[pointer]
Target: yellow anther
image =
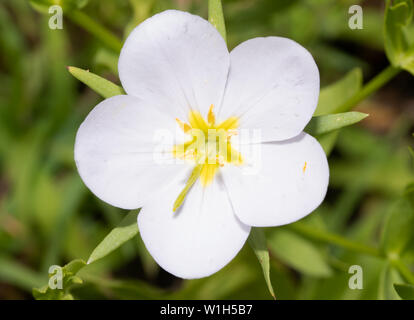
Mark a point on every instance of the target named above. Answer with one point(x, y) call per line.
point(209, 148)
point(184, 126)
point(304, 167)
point(211, 118)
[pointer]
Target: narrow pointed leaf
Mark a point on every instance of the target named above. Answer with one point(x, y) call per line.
point(328, 123)
point(216, 16)
point(74, 266)
point(257, 241)
point(405, 291)
point(98, 84)
point(332, 97)
point(126, 230)
point(299, 253)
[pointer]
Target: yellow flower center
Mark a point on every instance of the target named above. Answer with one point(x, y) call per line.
point(208, 148)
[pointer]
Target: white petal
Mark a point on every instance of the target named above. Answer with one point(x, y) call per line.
point(273, 85)
point(116, 155)
point(287, 181)
point(200, 238)
point(178, 57)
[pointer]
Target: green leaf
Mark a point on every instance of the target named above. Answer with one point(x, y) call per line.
point(69, 279)
point(331, 100)
point(257, 241)
point(74, 266)
point(126, 230)
point(398, 46)
point(327, 123)
point(335, 95)
point(100, 85)
point(387, 277)
point(216, 17)
point(405, 291)
point(299, 253)
point(398, 228)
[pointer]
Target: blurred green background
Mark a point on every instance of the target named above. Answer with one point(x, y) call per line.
point(47, 215)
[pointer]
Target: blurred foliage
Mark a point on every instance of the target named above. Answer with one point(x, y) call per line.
point(399, 44)
point(48, 217)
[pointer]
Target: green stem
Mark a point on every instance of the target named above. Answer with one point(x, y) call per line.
point(96, 29)
point(372, 86)
point(403, 270)
point(334, 239)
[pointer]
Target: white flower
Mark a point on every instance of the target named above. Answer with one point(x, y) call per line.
point(176, 66)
